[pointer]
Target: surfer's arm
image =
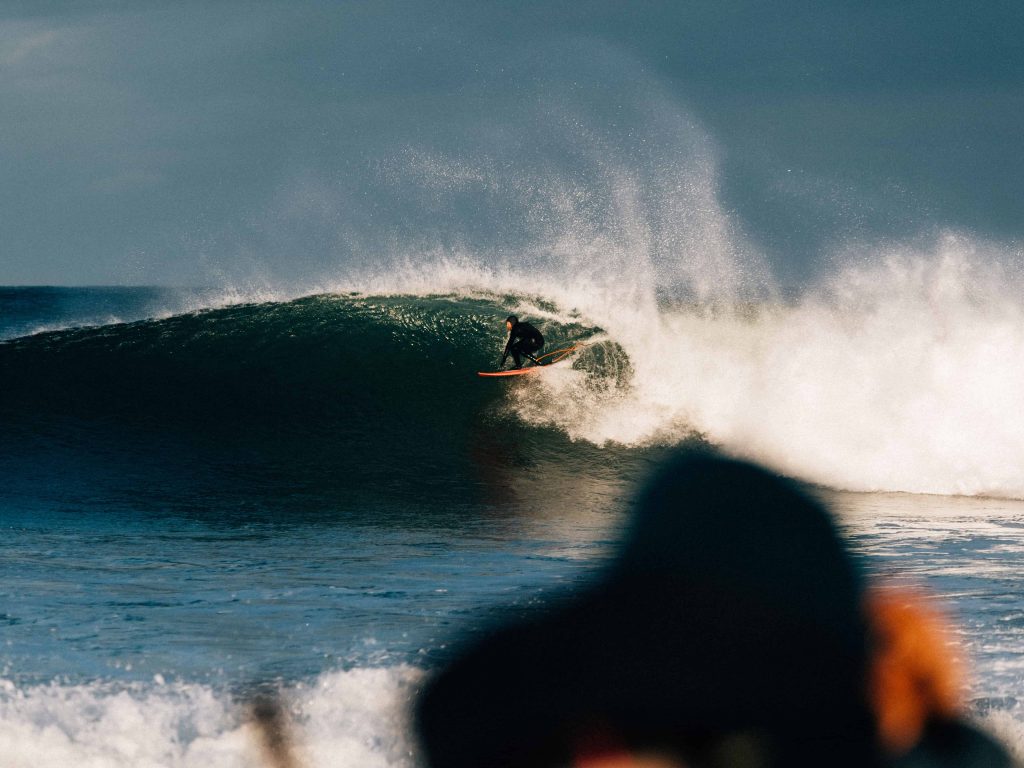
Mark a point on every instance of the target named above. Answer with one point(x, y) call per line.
point(508, 346)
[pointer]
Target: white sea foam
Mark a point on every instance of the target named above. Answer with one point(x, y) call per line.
point(1008, 729)
point(901, 376)
point(345, 718)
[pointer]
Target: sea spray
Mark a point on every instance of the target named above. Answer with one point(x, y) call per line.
point(899, 375)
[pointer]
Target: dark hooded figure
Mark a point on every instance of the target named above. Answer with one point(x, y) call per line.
point(523, 341)
point(729, 631)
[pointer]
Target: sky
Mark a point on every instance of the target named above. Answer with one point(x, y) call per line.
point(191, 143)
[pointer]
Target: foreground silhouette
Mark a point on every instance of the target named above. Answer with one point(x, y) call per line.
point(733, 628)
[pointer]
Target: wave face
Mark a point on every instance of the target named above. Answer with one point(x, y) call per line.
point(348, 399)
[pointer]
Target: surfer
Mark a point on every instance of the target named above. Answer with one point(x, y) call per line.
point(523, 340)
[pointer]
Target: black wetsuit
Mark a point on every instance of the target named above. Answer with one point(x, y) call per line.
point(523, 339)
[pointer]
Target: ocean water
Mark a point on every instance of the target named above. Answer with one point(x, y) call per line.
point(204, 496)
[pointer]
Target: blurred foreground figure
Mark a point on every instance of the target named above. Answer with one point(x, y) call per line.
point(732, 629)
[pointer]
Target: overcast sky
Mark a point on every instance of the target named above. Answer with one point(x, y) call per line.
point(187, 142)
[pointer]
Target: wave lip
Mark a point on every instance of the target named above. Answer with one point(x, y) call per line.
point(27, 311)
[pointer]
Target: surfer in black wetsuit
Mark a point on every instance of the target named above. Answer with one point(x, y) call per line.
point(523, 340)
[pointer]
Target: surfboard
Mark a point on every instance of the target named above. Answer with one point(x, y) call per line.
point(549, 358)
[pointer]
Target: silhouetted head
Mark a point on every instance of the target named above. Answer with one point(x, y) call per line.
point(511, 322)
point(730, 615)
